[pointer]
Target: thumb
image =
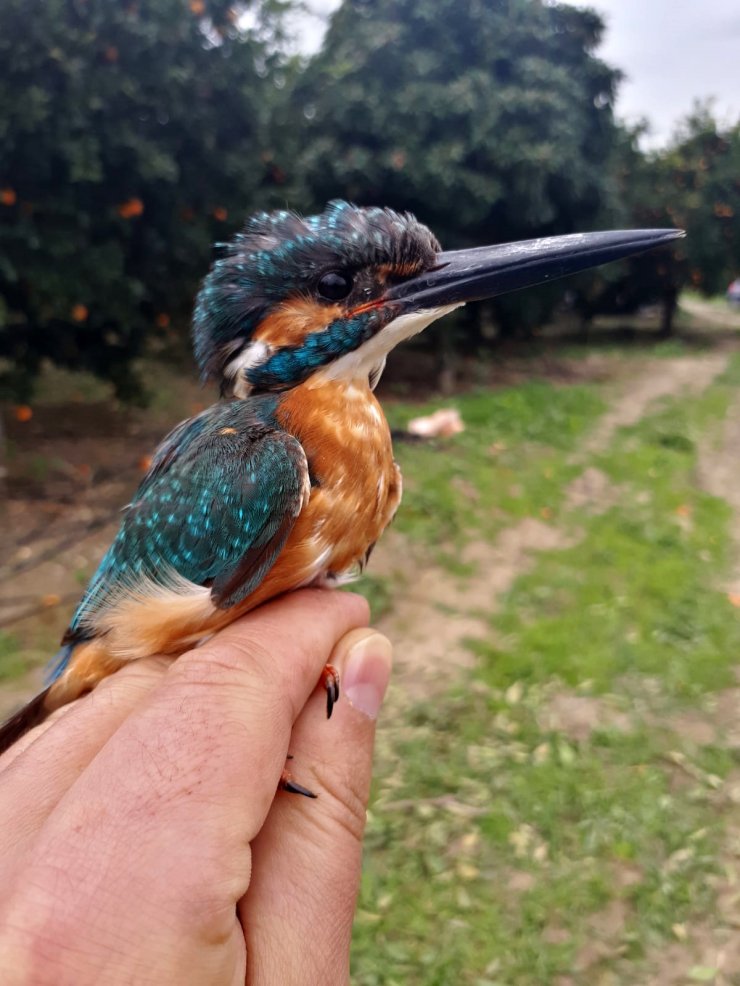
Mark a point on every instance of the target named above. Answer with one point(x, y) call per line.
point(298, 912)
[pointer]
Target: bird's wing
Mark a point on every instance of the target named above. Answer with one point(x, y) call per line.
point(215, 509)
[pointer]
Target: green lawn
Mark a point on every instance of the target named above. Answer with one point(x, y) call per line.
point(503, 850)
point(512, 461)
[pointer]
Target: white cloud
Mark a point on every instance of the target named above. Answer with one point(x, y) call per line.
point(672, 52)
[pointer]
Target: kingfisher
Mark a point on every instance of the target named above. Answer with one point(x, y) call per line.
point(289, 480)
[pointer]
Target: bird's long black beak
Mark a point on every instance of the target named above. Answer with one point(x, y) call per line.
point(484, 272)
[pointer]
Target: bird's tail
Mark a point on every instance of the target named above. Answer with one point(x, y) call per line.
point(40, 706)
point(30, 715)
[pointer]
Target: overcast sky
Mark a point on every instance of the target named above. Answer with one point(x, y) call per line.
point(672, 52)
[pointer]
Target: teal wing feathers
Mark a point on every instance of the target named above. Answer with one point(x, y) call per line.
point(215, 508)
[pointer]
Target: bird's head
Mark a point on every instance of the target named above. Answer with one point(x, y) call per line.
point(290, 297)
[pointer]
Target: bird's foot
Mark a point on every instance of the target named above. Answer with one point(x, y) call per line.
point(330, 681)
point(286, 783)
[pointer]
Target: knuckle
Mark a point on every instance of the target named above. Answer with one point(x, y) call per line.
point(239, 653)
point(361, 606)
point(246, 665)
point(347, 607)
point(343, 800)
point(135, 678)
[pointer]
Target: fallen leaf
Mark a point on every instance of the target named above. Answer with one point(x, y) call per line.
point(444, 422)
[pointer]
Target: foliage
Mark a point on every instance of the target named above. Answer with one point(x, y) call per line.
point(641, 199)
point(700, 178)
point(133, 136)
point(692, 184)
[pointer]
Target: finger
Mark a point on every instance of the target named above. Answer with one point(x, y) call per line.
point(165, 812)
point(38, 770)
point(297, 914)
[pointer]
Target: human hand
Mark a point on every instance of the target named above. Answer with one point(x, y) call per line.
point(143, 841)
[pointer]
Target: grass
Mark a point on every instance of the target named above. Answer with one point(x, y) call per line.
point(511, 462)
point(716, 300)
point(12, 661)
point(512, 887)
point(639, 590)
point(378, 592)
point(556, 856)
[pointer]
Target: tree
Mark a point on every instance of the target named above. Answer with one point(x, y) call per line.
point(692, 184)
point(699, 177)
point(133, 136)
point(641, 199)
point(491, 119)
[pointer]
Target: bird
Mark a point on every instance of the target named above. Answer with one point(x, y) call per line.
point(289, 479)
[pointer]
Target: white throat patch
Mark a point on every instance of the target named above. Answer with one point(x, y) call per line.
point(361, 362)
point(251, 355)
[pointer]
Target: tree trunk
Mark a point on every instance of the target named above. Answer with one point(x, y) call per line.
point(670, 303)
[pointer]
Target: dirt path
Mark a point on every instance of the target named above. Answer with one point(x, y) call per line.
point(660, 378)
point(704, 311)
point(435, 613)
point(719, 474)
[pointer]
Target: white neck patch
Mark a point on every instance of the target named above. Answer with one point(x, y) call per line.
point(360, 363)
point(251, 355)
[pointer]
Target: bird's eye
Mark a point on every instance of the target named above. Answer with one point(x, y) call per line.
point(334, 285)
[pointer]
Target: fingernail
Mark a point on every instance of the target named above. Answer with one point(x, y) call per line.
point(366, 674)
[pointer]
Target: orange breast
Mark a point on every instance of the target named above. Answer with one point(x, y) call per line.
point(356, 484)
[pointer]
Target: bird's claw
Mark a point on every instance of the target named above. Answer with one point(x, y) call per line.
point(330, 681)
point(286, 783)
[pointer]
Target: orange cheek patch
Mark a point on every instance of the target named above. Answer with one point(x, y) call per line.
point(294, 320)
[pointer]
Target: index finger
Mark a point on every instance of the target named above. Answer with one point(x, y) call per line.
point(165, 812)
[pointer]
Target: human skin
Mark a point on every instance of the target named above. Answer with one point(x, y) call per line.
point(143, 841)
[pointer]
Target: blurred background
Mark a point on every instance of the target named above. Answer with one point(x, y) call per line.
point(558, 771)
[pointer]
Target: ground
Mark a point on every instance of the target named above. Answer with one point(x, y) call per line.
point(558, 765)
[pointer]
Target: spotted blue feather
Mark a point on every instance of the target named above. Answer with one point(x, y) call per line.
point(215, 508)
